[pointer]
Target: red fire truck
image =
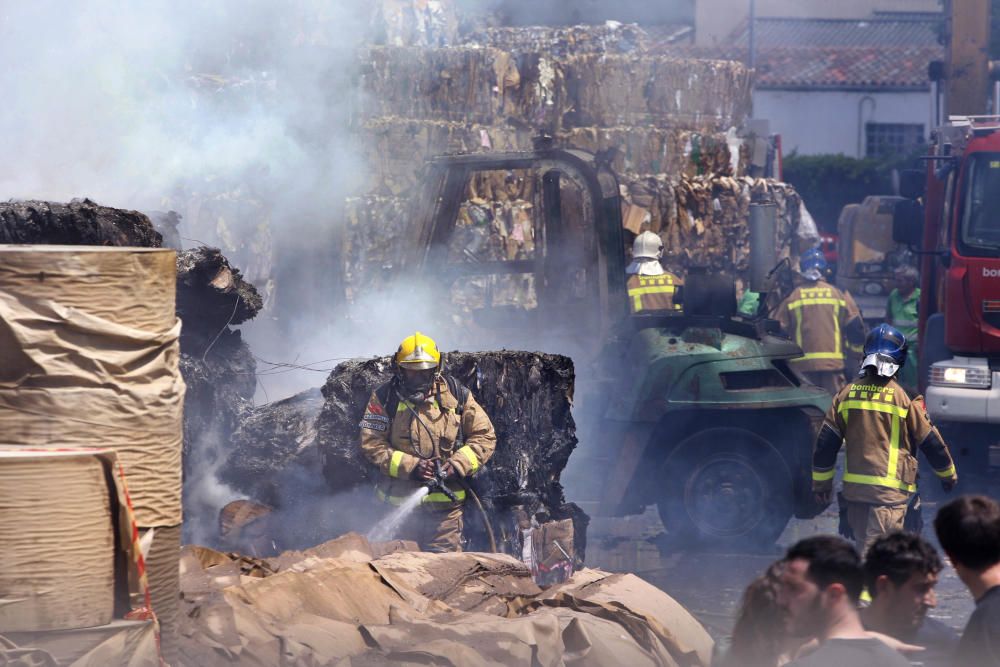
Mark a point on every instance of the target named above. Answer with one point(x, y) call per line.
point(957, 232)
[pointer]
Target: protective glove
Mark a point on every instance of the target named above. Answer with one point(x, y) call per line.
point(823, 498)
point(424, 470)
point(448, 471)
point(949, 484)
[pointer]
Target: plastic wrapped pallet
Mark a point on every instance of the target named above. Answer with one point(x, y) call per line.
point(89, 354)
point(58, 539)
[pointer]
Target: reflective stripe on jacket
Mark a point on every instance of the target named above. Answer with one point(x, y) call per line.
point(816, 315)
point(882, 429)
point(653, 292)
point(396, 447)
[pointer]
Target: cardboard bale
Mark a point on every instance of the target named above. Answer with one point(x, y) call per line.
point(80, 222)
point(59, 541)
point(472, 85)
point(703, 220)
point(414, 22)
point(615, 90)
point(395, 149)
point(563, 41)
point(272, 438)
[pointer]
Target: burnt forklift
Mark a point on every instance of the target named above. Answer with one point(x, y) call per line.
point(698, 413)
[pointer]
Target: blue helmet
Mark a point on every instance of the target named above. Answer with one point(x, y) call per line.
point(885, 350)
point(812, 259)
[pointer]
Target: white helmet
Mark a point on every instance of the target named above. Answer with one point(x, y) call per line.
point(647, 246)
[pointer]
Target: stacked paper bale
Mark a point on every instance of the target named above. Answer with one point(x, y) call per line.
point(89, 356)
point(590, 87)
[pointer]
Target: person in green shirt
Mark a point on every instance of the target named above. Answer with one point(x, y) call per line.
point(901, 312)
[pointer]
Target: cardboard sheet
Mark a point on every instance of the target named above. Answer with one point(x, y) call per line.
point(117, 644)
point(419, 609)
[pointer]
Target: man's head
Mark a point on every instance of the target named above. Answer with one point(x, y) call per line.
point(821, 580)
point(906, 279)
point(969, 531)
point(901, 570)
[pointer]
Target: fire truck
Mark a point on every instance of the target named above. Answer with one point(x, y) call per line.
point(952, 216)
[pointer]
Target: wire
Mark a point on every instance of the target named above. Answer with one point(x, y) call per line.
point(224, 327)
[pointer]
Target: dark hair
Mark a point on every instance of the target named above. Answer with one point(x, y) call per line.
point(899, 556)
point(969, 531)
point(832, 560)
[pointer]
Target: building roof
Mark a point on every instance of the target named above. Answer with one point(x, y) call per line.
point(883, 30)
point(886, 51)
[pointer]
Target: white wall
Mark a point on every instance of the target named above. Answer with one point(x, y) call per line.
point(813, 122)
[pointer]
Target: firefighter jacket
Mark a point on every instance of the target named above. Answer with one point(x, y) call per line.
point(819, 317)
point(647, 293)
point(883, 429)
point(395, 444)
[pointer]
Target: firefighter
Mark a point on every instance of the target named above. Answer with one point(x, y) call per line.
point(650, 286)
point(883, 429)
point(823, 321)
point(424, 428)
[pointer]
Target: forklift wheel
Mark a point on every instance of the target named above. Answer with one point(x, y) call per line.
point(726, 486)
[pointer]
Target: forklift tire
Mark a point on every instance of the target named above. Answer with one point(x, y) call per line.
point(725, 487)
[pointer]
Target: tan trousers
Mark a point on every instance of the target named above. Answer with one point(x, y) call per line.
point(434, 530)
point(870, 522)
point(831, 381)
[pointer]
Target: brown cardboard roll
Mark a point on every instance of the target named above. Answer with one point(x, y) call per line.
point(163, 571)
point(58, 541)
point(89, 354)
point(133, 287)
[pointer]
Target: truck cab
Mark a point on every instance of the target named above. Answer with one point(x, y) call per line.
point(957, 230)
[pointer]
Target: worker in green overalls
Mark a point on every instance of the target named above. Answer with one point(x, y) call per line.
point(901, 312)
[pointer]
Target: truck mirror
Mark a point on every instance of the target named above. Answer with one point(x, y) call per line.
point(912, 183)
point(908, 222)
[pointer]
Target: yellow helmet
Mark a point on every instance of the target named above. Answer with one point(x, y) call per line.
point(418, 352)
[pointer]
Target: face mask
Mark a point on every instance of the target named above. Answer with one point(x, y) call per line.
point(417, 385)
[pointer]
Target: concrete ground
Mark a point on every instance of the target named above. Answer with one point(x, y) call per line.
point(710, 583)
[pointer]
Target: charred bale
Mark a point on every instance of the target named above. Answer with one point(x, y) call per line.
point(80, 222)
point(273, 438)
point(211, 293)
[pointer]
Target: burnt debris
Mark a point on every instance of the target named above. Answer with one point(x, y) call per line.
point(80, 222)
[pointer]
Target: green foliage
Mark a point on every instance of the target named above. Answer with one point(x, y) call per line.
point(827, 183)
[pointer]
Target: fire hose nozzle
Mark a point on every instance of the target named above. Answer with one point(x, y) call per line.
point(437, 484)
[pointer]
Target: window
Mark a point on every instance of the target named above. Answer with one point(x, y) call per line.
point(980, 231)
point(889, 139)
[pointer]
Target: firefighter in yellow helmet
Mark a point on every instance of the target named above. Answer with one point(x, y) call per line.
point(650, 286)
point(424, 429)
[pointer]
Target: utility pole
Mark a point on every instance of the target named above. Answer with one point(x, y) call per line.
point(968, 35)
point(752, 42)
